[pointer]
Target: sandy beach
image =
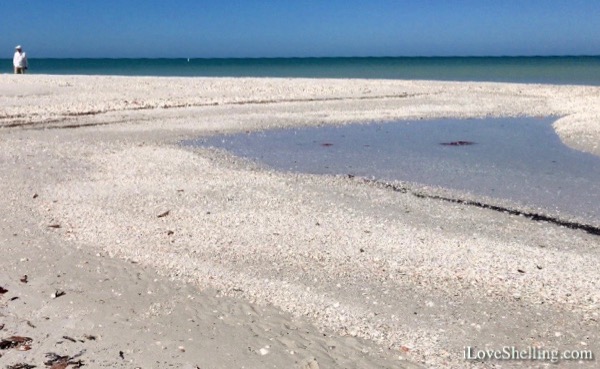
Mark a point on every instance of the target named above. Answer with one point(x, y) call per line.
point(140, 253)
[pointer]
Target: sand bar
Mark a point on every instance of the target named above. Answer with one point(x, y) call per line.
point(91, 171)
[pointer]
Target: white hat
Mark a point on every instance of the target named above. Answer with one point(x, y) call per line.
point(18, 47)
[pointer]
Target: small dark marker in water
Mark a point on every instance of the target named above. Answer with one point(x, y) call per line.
point(326, 144)
point(457, 143)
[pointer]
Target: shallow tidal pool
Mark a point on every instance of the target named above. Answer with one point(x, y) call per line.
point(518, 159)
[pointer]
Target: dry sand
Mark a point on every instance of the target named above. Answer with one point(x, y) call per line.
point(171, 257)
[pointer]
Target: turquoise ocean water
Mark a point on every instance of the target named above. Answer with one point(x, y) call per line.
point(580, 70)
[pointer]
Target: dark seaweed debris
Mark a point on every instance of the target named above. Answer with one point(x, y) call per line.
point(21, 343)
point(457, 143)
point(20, 366)
point(533, 216)
point(56, 361)
point(58, 294)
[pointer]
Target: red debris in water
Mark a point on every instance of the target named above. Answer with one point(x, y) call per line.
point(326, 144)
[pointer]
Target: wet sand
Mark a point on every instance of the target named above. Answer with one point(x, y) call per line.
point(189, 258)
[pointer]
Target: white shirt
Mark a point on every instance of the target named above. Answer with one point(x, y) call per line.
point(20, 59)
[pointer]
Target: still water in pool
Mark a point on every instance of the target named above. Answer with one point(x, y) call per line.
point(519, 159)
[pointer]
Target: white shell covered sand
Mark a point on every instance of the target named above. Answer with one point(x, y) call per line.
point(357, 275)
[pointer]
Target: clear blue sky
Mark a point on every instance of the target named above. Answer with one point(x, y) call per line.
point(286, 28)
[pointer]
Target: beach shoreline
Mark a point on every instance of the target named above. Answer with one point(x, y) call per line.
point(93, 168)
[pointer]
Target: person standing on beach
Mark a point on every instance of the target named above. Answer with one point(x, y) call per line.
point(20, 60)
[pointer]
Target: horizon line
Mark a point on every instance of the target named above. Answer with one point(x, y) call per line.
point(327, 57)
